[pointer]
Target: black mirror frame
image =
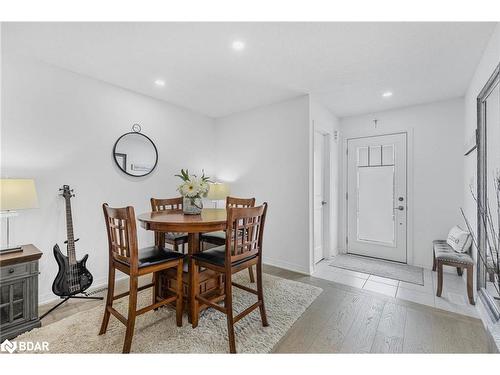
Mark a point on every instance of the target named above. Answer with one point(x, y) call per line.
point(119, 166)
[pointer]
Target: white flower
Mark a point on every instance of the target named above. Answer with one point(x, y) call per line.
point(189, 189)
point(193, 186)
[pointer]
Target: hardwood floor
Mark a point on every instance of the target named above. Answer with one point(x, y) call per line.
point(344, 319)
point(350, 320)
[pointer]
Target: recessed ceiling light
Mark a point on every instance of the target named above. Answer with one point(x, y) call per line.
point(160, 82)
point(238, 45)
point(387, 94)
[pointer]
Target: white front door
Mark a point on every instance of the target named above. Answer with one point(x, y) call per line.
point(319, 200)
point(376, 197)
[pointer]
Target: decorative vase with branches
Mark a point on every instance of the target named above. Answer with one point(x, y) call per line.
point(489, 254)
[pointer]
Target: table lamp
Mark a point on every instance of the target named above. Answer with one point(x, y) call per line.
point(218, 191)
point(16, 194)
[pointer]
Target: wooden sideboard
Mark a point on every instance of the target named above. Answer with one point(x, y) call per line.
point(19, 292)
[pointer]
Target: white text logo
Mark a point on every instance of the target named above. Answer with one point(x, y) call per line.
point(24, 346)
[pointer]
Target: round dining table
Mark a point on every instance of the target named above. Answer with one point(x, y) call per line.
point(210, 220)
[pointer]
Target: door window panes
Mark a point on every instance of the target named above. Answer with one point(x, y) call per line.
point(376, 204)
point(375, 156)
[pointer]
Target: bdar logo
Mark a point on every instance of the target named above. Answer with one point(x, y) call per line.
point(24, 346)
point(8, 346)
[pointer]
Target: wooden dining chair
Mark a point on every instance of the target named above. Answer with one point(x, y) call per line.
point(219, 238)
point(125, 256)
point(173, 239)
point(243, 249)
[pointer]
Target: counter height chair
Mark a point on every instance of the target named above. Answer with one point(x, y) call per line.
point(125, 256)
point(243, 249)
point(173, 239)
point(219, 238)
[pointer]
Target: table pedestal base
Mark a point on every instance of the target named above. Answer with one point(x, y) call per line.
point(211, 284)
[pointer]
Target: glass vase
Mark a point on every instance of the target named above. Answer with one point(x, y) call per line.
point(192, 206)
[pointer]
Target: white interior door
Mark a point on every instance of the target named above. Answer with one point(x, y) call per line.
point(377, 197)
point(319, 193)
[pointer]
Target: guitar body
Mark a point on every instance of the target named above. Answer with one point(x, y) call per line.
point(70, 280)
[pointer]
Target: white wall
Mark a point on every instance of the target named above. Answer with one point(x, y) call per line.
point(436, 142)
point(59, 128)
point(264, 153)
point(327, 123)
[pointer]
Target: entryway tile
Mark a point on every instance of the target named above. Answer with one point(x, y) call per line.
point(360, 275)
point(389, 290)
point(339, 277)
point(451, 282)
point(426, 288)
point(445, 304)
point(414, 296)
point(383, 280)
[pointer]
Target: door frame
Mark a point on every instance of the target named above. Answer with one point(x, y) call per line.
point(409, 186)
point(327, 194)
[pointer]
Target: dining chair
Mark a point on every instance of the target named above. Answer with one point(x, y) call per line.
point(125, 256)
point(219, 238)
point(174, 239)
point(243, 249)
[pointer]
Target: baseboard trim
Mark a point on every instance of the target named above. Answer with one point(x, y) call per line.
point(286, 265)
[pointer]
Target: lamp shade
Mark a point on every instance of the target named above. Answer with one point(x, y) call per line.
point(218, 191)
point(17, 194)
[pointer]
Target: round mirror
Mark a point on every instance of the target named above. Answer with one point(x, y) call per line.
point(135, 154)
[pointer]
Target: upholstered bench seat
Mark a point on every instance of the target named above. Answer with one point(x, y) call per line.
point(445, 252)
point(444, 255)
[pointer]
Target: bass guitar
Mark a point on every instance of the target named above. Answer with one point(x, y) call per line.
point(73, 276)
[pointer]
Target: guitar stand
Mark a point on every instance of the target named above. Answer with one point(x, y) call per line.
point(65, 299)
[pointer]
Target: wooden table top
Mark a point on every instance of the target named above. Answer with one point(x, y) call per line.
point(210, 219)
point(29, 253)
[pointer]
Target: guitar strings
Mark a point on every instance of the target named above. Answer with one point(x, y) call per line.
point(73, 267)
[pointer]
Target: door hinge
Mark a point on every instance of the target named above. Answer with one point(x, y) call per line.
point(346, 196)
point(346, 240)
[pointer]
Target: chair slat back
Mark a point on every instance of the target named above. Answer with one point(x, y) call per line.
point(122, 234)
point(166, 204)
point(245, 227)
point(240, 202)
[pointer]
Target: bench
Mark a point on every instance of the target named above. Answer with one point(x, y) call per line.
point(444, 255)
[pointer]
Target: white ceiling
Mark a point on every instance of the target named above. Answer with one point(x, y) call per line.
point(346, 66)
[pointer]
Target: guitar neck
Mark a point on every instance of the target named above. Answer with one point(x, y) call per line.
point(69, 231)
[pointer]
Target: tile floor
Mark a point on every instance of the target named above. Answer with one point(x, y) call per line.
point(454, 296)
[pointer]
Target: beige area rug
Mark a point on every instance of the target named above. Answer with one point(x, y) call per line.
point(156, 332)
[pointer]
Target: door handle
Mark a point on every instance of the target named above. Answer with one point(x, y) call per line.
point(323, 203)
point(400, 208)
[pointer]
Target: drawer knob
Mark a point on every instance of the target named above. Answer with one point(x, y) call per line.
point(11, 270)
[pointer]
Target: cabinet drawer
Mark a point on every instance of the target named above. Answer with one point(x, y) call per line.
point(15, 270)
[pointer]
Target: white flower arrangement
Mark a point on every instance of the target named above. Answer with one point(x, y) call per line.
point(193, 186)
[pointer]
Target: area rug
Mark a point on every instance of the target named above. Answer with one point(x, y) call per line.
point(383, 268)
point(156, 331)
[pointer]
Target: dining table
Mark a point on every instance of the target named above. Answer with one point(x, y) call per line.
point(175, 221)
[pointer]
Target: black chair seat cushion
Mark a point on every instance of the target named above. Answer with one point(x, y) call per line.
point(217, 256)
point(153, 255)
point(215, 238)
